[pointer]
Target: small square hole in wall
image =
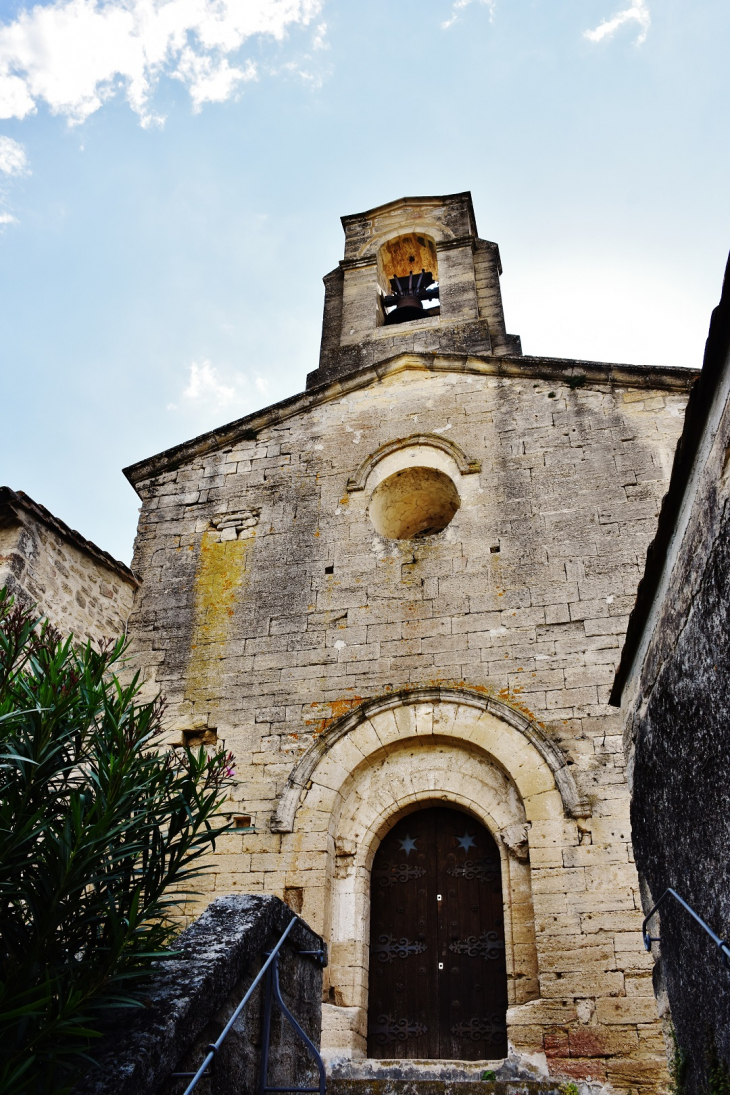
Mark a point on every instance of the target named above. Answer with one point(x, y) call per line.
point(201, 735)
point(294, 898)
point(495, 549)
point(329, 570)
point(243, 822)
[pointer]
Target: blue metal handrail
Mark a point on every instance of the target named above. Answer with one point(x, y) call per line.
point(649, 939)
point(270, 969)
point(273, 992)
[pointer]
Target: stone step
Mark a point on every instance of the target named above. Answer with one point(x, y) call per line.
point(513, 1076)
point(384, 1085)
point(507, 1076)
point(415, 1069)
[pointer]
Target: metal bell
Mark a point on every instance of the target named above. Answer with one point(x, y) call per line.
point(408, 297)
point(409, 307)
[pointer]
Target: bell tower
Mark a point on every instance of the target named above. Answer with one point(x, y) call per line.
point(415, 278)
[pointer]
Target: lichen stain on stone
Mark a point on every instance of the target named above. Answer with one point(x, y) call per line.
point(218, 582)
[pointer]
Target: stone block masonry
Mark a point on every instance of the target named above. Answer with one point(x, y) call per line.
point(81, 588)
point(409, 586)
point(673, 686)
point(269, 638)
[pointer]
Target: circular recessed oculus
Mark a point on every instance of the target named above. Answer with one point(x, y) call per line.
point(413, 503)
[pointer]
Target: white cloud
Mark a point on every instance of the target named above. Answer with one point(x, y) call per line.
point(309, 68)
point(210, 81)
point(574, 312)
point(319, 39)
point(207, 391)
point(638, 13)
point(13, 160)
point(459, 6)
point(73, 55)
point(7, 218)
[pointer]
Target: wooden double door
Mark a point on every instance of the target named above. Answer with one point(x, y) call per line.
point(438, 981)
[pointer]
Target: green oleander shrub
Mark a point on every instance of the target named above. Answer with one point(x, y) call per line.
point(718, 1073)
point(101, 836)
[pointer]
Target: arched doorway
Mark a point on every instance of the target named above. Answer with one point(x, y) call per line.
point(438, 981)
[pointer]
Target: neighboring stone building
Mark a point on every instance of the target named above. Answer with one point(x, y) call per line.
point(674, 687)
point(406, 590)
point(79, 587)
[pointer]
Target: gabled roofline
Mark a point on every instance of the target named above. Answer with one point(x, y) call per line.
point(545, 368)
point(19, 500)
point(435, 198)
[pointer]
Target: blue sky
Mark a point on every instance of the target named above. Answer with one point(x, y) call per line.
point(172, 176)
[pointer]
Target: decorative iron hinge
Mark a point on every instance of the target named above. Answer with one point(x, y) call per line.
point(399, 872)
point(488, 946)
point(388, 948)
point(493, 1028)
point(484, 870)
point(387, 1029)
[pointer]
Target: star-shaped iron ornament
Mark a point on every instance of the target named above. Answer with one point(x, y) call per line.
point(408, 845)
point(466, 841)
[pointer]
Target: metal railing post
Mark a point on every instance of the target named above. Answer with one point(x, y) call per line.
point(266, 1024)
point(263, 1087)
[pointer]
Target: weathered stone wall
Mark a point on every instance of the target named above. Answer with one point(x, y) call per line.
point(270, 608)
point(77, 586)
point(190, 997)
point(677, 709)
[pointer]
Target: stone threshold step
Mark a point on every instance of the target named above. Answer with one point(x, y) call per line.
point(414, 1068)
point(384, 1085)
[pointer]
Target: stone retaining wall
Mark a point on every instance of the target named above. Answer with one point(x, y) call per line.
point(191, 996)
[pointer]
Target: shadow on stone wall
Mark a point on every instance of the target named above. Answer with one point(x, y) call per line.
point(678, 726)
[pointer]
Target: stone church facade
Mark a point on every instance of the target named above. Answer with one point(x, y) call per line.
point(405, 589)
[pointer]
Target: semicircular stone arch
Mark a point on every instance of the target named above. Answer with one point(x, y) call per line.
point(534, 763)
point(413, 449)
point(425, 226)
point(394, 781)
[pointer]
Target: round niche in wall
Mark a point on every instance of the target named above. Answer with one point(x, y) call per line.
point(413, 503)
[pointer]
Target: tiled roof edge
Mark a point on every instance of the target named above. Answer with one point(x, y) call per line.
point(20, 500)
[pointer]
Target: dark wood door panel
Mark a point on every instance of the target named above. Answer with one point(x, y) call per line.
point(437, 972)
point(403, 977)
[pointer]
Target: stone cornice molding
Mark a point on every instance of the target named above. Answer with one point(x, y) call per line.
point(423, 202)
point(560, 370)
point(290, 798)
point(463, 463)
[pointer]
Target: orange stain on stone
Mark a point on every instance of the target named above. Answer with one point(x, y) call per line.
point(338, 708)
